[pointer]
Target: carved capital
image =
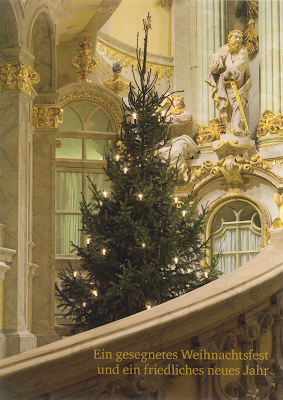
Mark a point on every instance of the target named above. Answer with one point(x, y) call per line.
point(16, 75)
point(47, 116)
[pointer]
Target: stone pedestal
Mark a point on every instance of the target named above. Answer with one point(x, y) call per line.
point(230, 144)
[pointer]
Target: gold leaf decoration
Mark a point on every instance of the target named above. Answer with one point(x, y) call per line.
point(270, 123)
point(209, 133)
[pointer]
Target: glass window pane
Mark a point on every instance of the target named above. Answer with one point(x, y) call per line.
point(71, 148)
point(97, 149)
point(67, 231)
point(99, 122)
point(70, 120)
point(101, 182)
point(238, 236)
point(68, 191)
point(84, 109)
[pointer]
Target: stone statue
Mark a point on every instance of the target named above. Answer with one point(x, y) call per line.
point(179, 149)
point(230, 78)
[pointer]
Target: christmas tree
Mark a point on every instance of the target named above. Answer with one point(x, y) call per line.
point(144, 245)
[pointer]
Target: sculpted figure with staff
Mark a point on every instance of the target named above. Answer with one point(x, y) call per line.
point(230, 78)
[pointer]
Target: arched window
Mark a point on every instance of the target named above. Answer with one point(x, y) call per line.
point(236, 232)
point(85, 138)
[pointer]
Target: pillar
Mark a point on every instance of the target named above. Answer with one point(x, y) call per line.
point(46, 119)
point(271, 55)
point(211, 33)
point(16, 98)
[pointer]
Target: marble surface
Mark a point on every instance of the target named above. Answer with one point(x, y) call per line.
point(59, 366)
point(15, 138)
point(43, 286)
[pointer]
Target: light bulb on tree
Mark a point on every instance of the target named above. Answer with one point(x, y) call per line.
point(84, 304)
point(75, 274)
point(136, 166)
point(104, 193)
point(95, 293)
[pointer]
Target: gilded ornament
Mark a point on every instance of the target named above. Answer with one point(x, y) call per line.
point(232, 169)
point(17, 75)
point(270, 123)
point(129, 61)
point(175, 103)
point(204, 169)
point(209, 133)
point(58, 144)
point(147, 23)
point(278, 222)
point(250, 36)
point(84, 63)
point(47, 116)
point(86, 95)
point(116, 84)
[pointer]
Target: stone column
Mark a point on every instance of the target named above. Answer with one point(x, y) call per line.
point(46, 119)
point(198, 29)
point(211, 33)
point(16, 99)
point(271, 55)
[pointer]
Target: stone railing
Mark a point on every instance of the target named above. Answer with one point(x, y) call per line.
point(222, 341)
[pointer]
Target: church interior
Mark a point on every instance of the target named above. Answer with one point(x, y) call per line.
point(65, 66)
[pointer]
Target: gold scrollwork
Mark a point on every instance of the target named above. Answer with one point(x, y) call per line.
point(204, 169)
point(129, 61)
point(270, 123)
point(209, 133)
point(47, 116)
point(86, 95)
point(232, 169)
point(17, 75)
point(233, 172)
